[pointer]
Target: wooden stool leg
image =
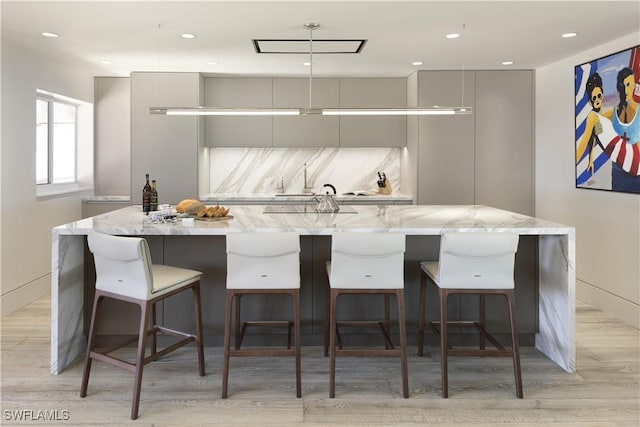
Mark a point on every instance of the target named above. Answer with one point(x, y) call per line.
point(97, 300)
point(327, 304)
point(483, 317)
point(296, 319)
point(387, 321)
point(238, 328)
point(332, 343)
point(515, 347)
point(421, 313)
point(227, 342)
point(154, 336)
point(444, 354)
point(403, 343)
point(197, 308)
point(142, 341)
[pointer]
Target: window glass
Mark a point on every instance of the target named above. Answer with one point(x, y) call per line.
point(42, 142)
point(55, 142)
point(64, 143)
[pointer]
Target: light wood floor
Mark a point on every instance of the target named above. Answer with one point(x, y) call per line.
point(605, 391)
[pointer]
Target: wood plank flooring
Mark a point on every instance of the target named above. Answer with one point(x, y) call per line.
point(605, 390)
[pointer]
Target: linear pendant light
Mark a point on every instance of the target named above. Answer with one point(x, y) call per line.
point(409, 111)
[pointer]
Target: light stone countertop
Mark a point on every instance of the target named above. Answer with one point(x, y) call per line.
point(408, 219)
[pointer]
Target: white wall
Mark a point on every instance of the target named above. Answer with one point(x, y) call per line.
point(25, 221)
point(607, 223)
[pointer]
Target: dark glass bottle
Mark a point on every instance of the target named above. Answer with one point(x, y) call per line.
point(146, 196)
point(154, 196)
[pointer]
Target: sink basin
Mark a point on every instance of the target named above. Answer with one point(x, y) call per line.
point(294, 194)
point(304, 209)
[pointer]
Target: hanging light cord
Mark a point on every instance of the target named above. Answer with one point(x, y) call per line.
point(311, 27)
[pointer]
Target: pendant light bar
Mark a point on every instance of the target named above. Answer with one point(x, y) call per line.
point(311, 26)
point(205, 111)
point(416, 111)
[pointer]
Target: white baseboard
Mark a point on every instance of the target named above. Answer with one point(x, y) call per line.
point(611, 304)
point(22, 296)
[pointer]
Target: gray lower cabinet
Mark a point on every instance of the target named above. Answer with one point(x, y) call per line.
point(207, 254)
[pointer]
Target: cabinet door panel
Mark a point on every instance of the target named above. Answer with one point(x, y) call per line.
point(504, 140)
point(238, 131)
point(445, 143)
point(166, 147)
point(305, 131)
point(373, 131)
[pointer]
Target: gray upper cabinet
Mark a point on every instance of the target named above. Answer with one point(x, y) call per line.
point(373, 131)
point(504, 140)
point(311, 130)
point(238, 131)
point(166, 147)
point(446, 162)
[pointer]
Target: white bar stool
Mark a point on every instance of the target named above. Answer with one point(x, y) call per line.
point(479, 263)
point(124, 272)
point(261, 264)
point(367, 264)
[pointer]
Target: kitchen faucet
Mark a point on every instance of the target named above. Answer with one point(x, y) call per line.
point(307, 187)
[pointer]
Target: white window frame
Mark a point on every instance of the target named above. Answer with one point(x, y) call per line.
point(83, 149)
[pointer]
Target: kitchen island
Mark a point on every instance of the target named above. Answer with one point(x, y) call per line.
point(549, 287)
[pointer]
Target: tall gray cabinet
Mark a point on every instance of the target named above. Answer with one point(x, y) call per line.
point(484, 158)
point(166, 147)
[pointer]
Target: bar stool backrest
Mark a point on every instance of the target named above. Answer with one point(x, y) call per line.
point(367, 260)
point(123, 265)
point(263, 260)
point(477, 260)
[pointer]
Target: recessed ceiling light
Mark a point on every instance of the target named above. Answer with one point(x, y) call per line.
point(49, 34)
point(188, 36)
point(452, 36)
point(306, 64)
point(569, 35)
point(507, 63)
point(213, 63)
point(417, 63)
point(105, 61)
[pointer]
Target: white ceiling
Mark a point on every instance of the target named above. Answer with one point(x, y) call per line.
point(145, 35)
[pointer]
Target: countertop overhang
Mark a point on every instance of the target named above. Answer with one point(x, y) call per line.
point(408, 219)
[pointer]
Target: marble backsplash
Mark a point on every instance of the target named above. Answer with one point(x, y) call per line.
point(258, 170)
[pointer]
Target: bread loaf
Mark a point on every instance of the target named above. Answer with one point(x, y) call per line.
point(189, 206)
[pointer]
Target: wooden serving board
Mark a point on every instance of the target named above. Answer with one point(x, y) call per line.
point(213, 219)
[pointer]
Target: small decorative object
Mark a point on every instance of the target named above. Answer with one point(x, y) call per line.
point(384, 186)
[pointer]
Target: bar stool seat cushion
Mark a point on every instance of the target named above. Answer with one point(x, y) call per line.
point(165, 277)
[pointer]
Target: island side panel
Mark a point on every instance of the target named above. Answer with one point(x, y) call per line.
point(557, 307)
point(67, 300)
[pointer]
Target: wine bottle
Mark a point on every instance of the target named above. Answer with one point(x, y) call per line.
point(146, 196)
point(154, 196)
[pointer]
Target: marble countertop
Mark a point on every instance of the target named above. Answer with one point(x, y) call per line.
point(99, 199)
point(409, 219)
